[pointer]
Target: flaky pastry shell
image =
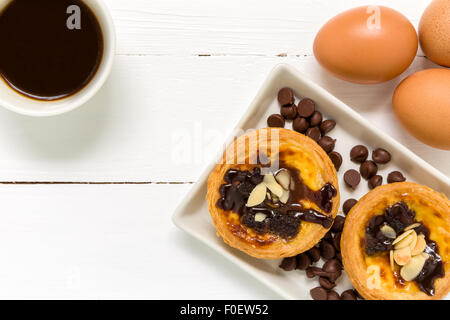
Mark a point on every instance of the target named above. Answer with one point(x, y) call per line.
point(298, 151)
point(431, 208)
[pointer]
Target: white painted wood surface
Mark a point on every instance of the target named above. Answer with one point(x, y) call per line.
point(183, 69)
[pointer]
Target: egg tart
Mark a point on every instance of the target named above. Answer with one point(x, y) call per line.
point(396, 243)
point(275, 193)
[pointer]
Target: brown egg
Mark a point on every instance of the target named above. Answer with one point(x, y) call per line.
point(434, 32)
point(369, 44)
point(422, 104)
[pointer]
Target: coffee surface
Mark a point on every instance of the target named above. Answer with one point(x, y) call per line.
point(49, 52)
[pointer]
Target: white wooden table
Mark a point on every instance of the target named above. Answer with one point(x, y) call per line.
point(183, 69)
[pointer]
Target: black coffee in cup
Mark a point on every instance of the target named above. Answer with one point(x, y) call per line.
point(50, 49)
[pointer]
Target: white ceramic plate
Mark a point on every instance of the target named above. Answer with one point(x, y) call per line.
point(192, 214)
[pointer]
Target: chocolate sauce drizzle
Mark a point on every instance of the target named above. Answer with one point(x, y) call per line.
point(399, 216)
point(281, 219)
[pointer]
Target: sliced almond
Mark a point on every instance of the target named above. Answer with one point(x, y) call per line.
point(425, 255)
point(260, 217)
point(412, 226)
point(420, 245)
point(283, 177)
point(388, 232)
point(269, 195)
point(285, 196)
point(257, 196)
point(408, 241)
point(402, 256)
point(391, 260)
point(402, 236)
point(272, 185)
point(410, 271)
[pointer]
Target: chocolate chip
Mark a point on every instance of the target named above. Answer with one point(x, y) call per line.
point(352, 178)
point(333, 276)
point(275, 121)
point(289, 112)
point(311, 272)
point(327, 250)
point(314, 254)
point(316, 119)
point(395, 176)
point(381, 156)
point(288, 264)
point(368, 169)
point(338, 224)
point(326, 283)
point(313, 133)
point(327, 143)
point(348, 205)
point(286, 96)
point(303, 261)
point(300, 125)
point(359, 153)
point(328, 235)
point(337, 241)
point(348, 295)
point(336, 158)
point(306, 108)
point(332, 266)
point(375, 181)
point(333, 295)
point(319, 293)
point(327, 126)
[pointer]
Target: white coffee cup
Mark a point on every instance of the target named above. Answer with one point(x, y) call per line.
point(14, 101)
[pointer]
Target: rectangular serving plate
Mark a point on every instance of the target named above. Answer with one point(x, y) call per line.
point(192, 214)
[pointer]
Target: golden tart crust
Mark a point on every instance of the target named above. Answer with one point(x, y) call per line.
point(297, 151)
point(431, 208)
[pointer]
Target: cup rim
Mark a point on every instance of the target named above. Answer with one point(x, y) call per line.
point(78, 99)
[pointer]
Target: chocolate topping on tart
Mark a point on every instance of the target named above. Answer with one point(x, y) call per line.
point(271, 203)
point(406, 242)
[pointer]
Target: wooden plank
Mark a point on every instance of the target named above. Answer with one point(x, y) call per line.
point(232, 27)
point(107, 241)
point(133, 129)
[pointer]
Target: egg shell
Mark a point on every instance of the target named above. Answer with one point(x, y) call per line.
point(422, 105)
point(434, 32)
point(368, 44)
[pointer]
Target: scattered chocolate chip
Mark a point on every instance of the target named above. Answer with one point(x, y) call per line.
point(300, 125)
point(375, 181)
point(327, 250)
point(319, 293)
point(338, 224)
point(395, 176)
point(352, 178)
point(333, 276)
point(313, 133)
point(332, 266)
point(333, 295)
point(359, 153)
point(348, 295)
point(326, 283)
point(311, 272)
point(381, 156)
point(303, 261)
point(289, 112)
point(327, 126)
point(327, 143)
point(337, 241)
point(288, 264)
point(286, 96)
point(314, 254)
point(275, 121)
point(316, 119)
point(368, 169)
point(306, 108)
point(348, 205)
point(336, 158)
